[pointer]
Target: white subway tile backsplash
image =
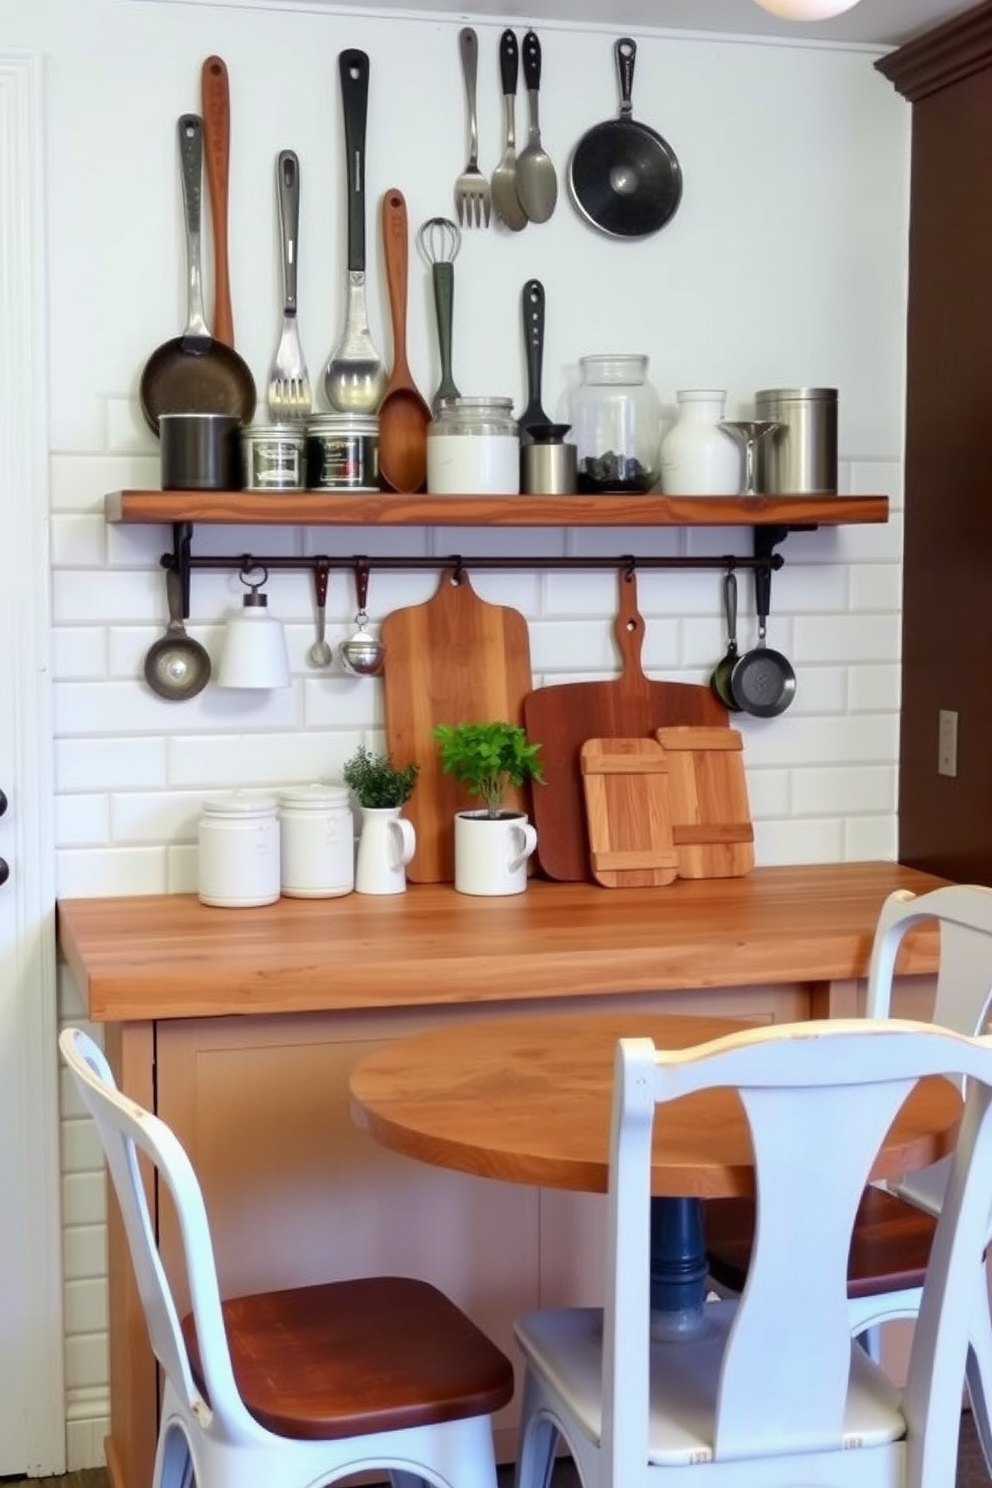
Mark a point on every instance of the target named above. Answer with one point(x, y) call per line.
point(109, 764)
point(115, 596)
point(867, 837)
point(779, 843)
point(81, 1149)
point(83, 1198)
point(843, 789)
point(85, 1360)
point(875, 689)
point(80, 482)
point(97, 872)
point(79, 652)
point(818, 741)
point(82, 821)
point(846, 639)
point(85, 1306)
point(292, 758)
point(154, 817)
point(84, 1251)
point(78, 540)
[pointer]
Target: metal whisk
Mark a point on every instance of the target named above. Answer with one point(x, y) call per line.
point(439, 241)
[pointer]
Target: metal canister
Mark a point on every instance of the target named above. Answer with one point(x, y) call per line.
point(343, 452)
point(272, 457)
point(800, 457)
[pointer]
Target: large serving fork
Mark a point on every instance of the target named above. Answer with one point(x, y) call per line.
point(472, 199)
point(289, 392)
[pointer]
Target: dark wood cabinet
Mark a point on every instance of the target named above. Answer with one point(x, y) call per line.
point(945, 823)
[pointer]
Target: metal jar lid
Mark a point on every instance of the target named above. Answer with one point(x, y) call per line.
point(796, 395)
point(272, 431)
point(344, 423)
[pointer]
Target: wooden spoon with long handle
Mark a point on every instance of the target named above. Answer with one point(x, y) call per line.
point(403, 413)
point(216, 107)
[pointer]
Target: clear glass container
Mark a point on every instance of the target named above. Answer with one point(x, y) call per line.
point(616, 417)
point(473, 448)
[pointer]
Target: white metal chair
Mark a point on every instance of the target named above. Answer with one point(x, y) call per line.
point(895, 1224)
point(297, 1387)
point(773, 1391)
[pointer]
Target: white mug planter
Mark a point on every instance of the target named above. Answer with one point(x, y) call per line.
point(491, 852)
point(387, 843)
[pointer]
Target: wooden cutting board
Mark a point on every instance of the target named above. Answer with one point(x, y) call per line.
point(628, 813)
point(454, 659)
point(707, 793)
point(562, 717)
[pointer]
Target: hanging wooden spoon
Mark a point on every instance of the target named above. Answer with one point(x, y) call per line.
point(403, 413)
point(216, 109)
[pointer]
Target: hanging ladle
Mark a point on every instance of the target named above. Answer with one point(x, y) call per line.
point(176, 666)
point(320, 652)
point(363, 655)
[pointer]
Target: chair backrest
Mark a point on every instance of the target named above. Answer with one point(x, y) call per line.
point(125, 1128)
point(819, 1098)
point(963, 913)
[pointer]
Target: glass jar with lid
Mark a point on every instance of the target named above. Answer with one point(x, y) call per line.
point(616, 419)
point(473, 448)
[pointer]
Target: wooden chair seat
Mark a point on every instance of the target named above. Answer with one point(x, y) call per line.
point(890, 1244)
point(349, 1358)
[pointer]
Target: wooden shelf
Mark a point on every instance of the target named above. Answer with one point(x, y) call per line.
point(327, 509)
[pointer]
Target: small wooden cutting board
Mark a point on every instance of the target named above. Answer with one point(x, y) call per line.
point(707, 793)
point(628, 813)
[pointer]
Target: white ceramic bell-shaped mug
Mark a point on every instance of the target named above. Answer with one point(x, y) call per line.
point(387, 843)
point(491, 852)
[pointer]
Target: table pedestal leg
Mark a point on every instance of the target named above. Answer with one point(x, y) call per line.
point(678, 1268)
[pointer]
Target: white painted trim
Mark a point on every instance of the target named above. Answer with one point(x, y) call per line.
point(28, 968)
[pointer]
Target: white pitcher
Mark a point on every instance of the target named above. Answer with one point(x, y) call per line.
point(387, 843)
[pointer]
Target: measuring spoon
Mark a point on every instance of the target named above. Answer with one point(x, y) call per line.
point(320, 652)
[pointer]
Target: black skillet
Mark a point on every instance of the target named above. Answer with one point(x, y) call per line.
point(624, 178)
point(763, 681)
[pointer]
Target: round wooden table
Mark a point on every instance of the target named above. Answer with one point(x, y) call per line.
point(528, 1100)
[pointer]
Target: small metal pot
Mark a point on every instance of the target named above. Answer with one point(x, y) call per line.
point(200, 451)
point(763, 681)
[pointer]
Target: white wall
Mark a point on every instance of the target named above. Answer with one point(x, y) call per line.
point(786, 264)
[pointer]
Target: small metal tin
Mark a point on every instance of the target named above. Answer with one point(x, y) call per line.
point(272, 457)
point(800, 456)
point(343, 452)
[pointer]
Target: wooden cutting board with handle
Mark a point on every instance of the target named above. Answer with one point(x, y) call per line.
point(561, 718)
point(628, 813)
point(454, 659)
point(707, 793)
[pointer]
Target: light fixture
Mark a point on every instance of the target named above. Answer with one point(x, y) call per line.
point(806, 10)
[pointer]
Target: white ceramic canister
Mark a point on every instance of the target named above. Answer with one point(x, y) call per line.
point(239, 851)
point(473, 448)
point(698, 458)
point(317, 842)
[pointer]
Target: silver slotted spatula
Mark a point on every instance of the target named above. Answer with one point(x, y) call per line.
point(289, 394)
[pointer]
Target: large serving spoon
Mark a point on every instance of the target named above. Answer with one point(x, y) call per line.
point(537, 183)
point(176, 666)
point(503, 182)
point(354, 377)
point(403, 413)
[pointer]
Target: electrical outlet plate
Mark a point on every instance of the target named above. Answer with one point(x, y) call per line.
point(947, 743)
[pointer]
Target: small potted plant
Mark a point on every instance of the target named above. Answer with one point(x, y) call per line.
point(387, 841)
point(492, 845)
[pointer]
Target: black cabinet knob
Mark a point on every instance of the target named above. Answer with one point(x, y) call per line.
point(4, 871)
point(3, 802)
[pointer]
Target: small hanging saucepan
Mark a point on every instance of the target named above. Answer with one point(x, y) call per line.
point(763, 681)
point(623, 177)
point(724, 669)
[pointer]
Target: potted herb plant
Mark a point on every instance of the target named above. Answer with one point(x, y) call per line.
point(387, 841)
point(492, 844)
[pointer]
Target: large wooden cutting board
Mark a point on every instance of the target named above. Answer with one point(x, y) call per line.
point(562, 717)
point(628, 813)
point(454, 659)
point(707, 793)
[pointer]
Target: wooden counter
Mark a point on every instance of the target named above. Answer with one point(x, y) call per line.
point(168, 956)
point(241, 1028)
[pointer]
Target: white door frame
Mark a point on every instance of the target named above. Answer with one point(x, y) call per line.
point(32, 1390)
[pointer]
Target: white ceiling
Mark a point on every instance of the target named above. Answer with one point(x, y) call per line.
point(885, 23)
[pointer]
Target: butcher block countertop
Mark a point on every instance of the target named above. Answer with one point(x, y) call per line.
point(168, 956)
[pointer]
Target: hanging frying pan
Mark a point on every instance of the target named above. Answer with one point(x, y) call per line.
point(624, 178)
point(763, 681)
point(194, 372)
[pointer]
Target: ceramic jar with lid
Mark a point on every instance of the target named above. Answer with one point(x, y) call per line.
point(698, 458)
point(239, 851)
point(616, 424)
point(317, 842)
point(473, 448)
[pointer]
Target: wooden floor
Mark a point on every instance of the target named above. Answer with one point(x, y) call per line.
point(971, 1472)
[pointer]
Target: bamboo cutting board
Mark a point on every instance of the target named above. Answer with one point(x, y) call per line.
point(454, 659)
point(562, 717)
point(711, 818)
point(628, 813)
